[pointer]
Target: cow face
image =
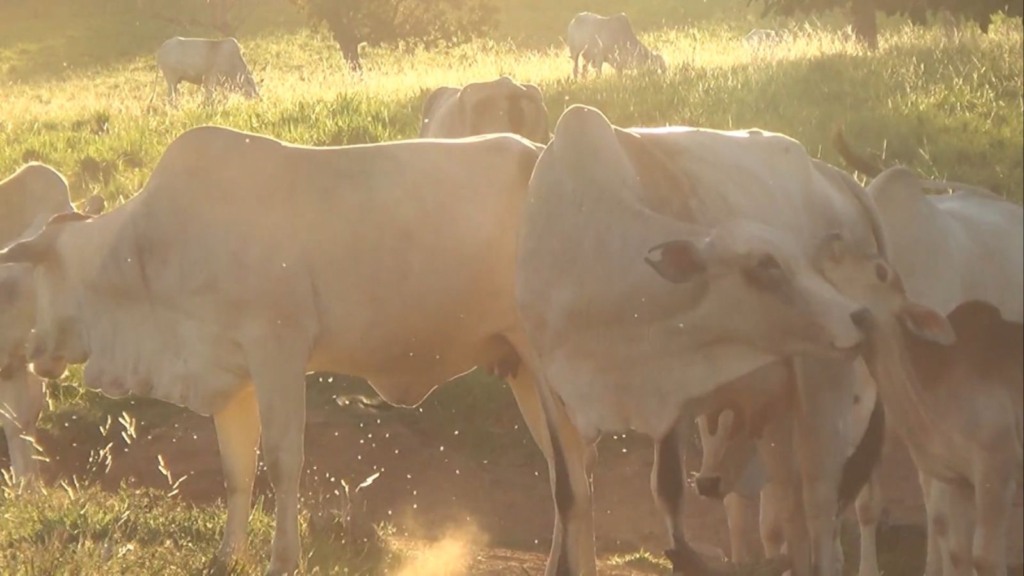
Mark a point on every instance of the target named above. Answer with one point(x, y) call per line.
point(869, 279)
point(761, 292)
point(727, 451)
point(57, 338)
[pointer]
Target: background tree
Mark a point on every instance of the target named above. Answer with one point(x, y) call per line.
point(428, 22)
point(863, 12)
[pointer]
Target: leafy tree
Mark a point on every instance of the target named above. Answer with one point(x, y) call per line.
point(430, 22)
point(863, 12)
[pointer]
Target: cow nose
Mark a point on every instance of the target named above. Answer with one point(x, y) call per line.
point(709, 486)
point(863, 318)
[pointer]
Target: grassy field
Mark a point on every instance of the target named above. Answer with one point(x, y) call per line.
point(79, 90)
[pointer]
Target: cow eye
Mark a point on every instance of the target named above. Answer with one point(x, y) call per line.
point(882, 272)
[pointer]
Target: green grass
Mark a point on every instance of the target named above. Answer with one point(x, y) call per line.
point(79, 529)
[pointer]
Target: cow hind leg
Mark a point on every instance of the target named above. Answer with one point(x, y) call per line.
point(238, 435)
point(281, 393)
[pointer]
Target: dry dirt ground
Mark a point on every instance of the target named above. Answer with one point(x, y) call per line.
point(483, 503)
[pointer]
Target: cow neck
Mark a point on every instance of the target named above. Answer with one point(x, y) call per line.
point(889, 360)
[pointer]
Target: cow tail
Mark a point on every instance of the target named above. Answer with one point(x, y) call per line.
point(859, 466)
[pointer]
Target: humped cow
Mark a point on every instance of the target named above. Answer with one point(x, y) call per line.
point(205, 62)
point(229, 275)
point(28, 199)
point(599, 39)
point(616, 349)
point(501, 105)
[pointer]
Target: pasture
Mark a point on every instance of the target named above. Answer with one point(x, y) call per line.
point(461, 487)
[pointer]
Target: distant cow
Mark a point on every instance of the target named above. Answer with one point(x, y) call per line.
point(501, 105)
point(599, 39)
point(27, 200)
point(205, 62)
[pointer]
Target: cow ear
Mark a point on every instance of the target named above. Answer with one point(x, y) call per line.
point(927, 324)
point(678, 261)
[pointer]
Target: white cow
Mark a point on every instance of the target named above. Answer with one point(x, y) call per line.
point(599, 39)
point(501, 105)
point(28, 199)
point(205, 62)
point(245, 262)
point(954, 386)
point(616, 349)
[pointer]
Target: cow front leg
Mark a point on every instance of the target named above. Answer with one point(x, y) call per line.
point(994, 491)
point(281, 393)
point(869, 510)
point(782, 504)
point(667, 485)
point(955, 503)
point(524, 389)
point(937, 528)
point(825, 390)
point(739, 510)
point(572, 548)
point(238, 435)
point(21, 401)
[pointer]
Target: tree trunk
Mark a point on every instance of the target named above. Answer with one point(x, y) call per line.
point(865, 24)
point(348, 42)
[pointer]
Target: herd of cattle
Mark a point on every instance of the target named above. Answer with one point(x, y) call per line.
point(648, 279)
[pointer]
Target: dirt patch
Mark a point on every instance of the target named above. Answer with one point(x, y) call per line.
point(488, 509)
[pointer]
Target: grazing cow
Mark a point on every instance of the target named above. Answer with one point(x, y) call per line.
point(27, 200)
point(501, 105)
point(204, 62)
point(953, 385)
point(731, 471)
point(733, 218)
point(599, 39)
point(230, 275)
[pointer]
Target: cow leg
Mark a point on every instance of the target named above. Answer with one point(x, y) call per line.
point(937, 527)
point(738, 512)
point(281, 393)
point(994, 491)
point(667, 485)
point(956, 506)
point(524, 389)
point(575, 65)
point(21, 402)
point(238, 435)
point(825, 390)
point(771, 525)
point(572, 548)
point(782, 494)
point(869, 509)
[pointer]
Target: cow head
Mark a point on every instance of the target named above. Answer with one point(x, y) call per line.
point(871, 280)
point(727, 452)
point(504, 105)
point(758, 289)
point(57, 338)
